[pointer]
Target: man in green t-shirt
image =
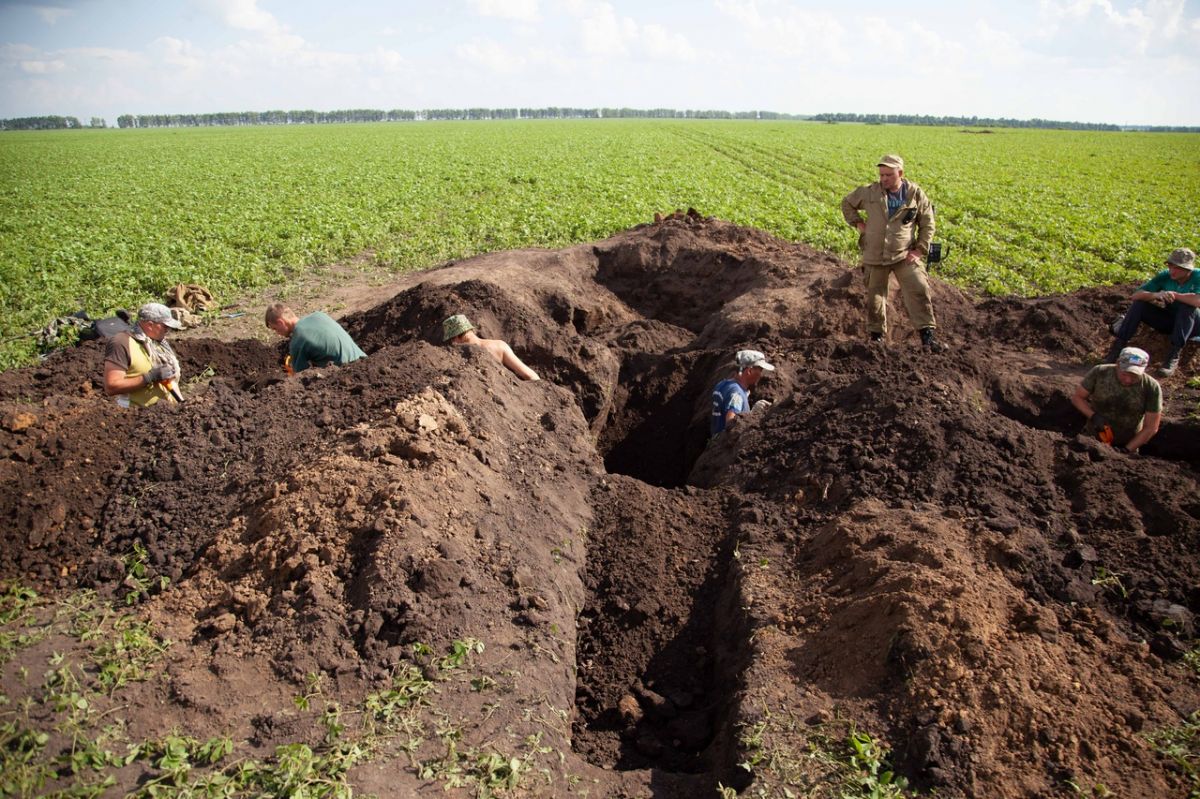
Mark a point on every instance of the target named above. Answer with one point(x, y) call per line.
point(1122, 404)
point(1170, 303)
point(316, 340)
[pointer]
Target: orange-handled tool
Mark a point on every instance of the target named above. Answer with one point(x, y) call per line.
point(172, 389)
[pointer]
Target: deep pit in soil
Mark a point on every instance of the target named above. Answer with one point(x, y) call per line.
point(919, 544)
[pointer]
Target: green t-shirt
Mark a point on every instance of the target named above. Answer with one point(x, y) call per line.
point(317, 340)
point(1163, 282)
point(1123, 406)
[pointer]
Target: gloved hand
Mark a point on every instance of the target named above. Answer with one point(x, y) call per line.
point(760, 405)
point(160, 373)
point(1098, 422)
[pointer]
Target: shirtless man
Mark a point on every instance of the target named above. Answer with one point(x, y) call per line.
point(458, 329)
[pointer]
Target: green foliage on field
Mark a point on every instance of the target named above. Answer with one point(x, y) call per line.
point(106, 219)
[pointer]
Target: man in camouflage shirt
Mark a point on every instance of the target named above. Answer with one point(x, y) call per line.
point(1122, 404)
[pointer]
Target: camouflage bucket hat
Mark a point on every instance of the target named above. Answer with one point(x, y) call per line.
point(455, 326)
point(1182, 258)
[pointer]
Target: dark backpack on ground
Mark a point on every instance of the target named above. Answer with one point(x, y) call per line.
point(107, 327)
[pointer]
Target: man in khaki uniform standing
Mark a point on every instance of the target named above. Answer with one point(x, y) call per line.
point(894, 237)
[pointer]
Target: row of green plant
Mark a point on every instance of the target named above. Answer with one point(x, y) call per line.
point(95, 220)
point(65, 736)
point(837, 761)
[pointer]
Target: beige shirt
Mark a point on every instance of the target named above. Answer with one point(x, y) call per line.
point(887, 240)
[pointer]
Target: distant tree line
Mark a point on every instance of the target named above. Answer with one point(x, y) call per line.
point(973, 122)
point(310, 117)
point(49, 123)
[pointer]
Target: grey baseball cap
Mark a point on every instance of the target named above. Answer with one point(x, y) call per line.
point(1133, 360)
point(748, 358)
point(157, 312)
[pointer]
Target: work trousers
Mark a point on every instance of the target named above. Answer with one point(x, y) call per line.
point(1179, 321)
point(914, 288)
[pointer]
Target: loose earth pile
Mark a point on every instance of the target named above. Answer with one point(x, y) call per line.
point(920, 546)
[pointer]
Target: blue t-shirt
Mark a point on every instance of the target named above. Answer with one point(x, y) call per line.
point(895, 199)
point(1163, 282)
point(727, 396)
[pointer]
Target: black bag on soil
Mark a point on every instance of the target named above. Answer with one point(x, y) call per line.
point(107, 327)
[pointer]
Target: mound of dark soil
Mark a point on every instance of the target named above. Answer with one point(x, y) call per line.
point(918, 544)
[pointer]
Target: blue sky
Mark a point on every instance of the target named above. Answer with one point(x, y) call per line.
point(1118, 61)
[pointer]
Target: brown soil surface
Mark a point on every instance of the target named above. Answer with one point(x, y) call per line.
point(915, 543)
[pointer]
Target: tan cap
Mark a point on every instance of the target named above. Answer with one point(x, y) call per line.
point(892, 161)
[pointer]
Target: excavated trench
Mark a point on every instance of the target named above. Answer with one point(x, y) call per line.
point(660, 634)
point(655, 680)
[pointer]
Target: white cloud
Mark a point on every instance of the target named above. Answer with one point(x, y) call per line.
point(796, 33)
point(177, 53)
point(999, 48)
point(51, 14)
point(520, 10)
point(490, 55)
point(247, 16)
point(1100, 23)
point(663, 44)
point(105, 56)
point(605, 34)
point(17, 52)
point(243, 15)
point(43, 67)
point(386, 60)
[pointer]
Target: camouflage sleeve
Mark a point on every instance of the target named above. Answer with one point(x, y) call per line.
point(1089, 380)
point(1153, 397)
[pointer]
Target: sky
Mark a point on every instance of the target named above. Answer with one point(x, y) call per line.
point(1127, 62)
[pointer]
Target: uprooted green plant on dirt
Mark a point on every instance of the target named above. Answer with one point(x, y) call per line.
point(840, 761)
point(1181, 744)
point(137, 577)
point(1106, 579)
point(1191, 659)
point(53, 738)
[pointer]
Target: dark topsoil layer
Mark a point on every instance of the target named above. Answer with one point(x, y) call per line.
point(917, 543)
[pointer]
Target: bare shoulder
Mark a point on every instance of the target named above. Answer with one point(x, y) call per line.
point(496, 347)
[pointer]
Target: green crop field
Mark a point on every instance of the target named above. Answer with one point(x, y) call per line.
point(111, 218)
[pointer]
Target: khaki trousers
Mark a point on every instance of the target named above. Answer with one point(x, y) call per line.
point(914, 288)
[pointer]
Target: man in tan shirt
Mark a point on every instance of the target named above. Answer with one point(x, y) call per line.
point(894, 238)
